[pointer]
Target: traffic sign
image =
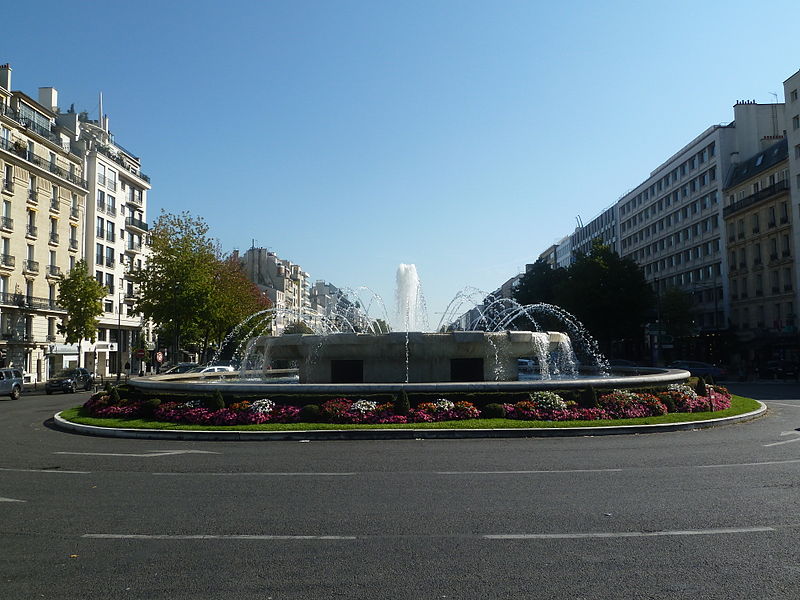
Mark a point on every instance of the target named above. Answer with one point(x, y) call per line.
point(159, 356)
point(140, 353)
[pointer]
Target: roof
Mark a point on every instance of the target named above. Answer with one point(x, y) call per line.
point(759, 163)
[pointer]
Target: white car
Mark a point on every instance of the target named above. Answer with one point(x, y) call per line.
point(214, 369)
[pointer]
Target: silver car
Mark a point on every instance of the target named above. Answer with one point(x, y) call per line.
point(11, 383)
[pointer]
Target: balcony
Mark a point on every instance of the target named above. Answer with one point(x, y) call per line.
point(73, 244)
point(756, 230)
point(32, 231)
point(133, 247)
point(109, 261)
point(55, 205)
point(110, 289)
point(53, 271)
point(128, 165)
point(111, 210)
point(74, 213)
point(134, 223)
point(31, 266)
point(8, 185)
point(23, 153)
point(33, 196)
point(22, 301)
point(54, 238)
point(110, 237)
point(7, 261)
point(6, 223)
point(766, 193)
point(101, 206)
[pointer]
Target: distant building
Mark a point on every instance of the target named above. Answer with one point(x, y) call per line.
point(284, 282)
point(759, 231)
point(603, 226)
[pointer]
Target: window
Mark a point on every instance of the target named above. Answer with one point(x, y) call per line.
point(793, 95)
point(101, 227)
point(98, 255)
point(796, 122)
point(110, 283)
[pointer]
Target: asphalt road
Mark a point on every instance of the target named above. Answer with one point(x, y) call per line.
point(712, 513)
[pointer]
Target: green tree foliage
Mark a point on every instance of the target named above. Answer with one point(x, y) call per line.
point(675, 310)
point(233, 299)
point(608, 294)
point(297, 327)
point(81, 296)
point(176, 287)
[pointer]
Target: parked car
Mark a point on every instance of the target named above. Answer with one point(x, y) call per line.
point(699, 369)
point(779, 369)
point(69, 380)
point(621, 362)
point(11, 383)
point(180, 368)
point(526, 365)
point(212, 369)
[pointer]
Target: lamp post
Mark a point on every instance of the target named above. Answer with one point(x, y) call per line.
point(120, 297)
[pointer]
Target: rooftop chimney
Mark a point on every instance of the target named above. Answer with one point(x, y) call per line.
point(48, 97)
point(5, 76)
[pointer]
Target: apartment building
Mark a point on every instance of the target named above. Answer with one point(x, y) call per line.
point(43, 194)
point(603, 226)
point(671, 224)
point(791, 89)
point(285, 283)
point(115, 241)
point(759, 225)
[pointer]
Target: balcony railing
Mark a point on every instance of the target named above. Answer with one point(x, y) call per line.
point(23, 301)
point(123, 163)
point(109, 261)
point(136, 223)
point(33, 196)
point(110, 236)
point(8, 261)
point(54, 270)
point(134, 247)
point(32, 231)
point(55, 205)
point(73, 244)
point(7, 223)
point(111, 210)
point(74, 213)
point(32, 266)
point(767, 192)
point(53, 237)
point(23, 152)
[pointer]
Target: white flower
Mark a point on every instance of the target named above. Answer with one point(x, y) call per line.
point(364, 406)
point(262, 406)
point(684, 389)
point(548, 401)
point(443, 405)
point(194, 404)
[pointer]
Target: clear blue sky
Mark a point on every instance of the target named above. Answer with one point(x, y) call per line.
point(351, 136)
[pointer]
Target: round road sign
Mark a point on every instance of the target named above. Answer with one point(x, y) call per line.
point(159, 356)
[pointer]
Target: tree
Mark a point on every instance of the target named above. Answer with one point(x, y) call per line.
point(176, 287)
point(675, 309)
point(539, 284)
point(233, 298)
point(297, 327)
point(81, 295)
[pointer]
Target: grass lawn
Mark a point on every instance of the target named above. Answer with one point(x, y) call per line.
point(739, 405)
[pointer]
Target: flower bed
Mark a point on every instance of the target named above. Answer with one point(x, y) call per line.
point(540, 406)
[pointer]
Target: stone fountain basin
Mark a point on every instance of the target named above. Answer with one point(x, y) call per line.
point(230, 383)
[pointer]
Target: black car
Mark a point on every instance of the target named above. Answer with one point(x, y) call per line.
point(68, 381)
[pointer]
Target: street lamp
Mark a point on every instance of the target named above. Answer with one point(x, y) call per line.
point(120, 297)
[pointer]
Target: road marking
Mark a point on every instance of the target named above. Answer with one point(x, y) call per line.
point(754, 464)
point(783, 434)
point(116, 536)
point(10, 500)
point(627, 534)
point(148, 454)
point(256, 474)
point(527, 472)
point(45, 471)
point(784, 404)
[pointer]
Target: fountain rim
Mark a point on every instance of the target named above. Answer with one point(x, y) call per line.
point(642, 377)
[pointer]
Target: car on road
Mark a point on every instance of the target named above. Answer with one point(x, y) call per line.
point(69, 381)
point(526, 365)
point(11, 383)
point(212, 369)
point(779, 369)
point(699, 369)
point(180, 368)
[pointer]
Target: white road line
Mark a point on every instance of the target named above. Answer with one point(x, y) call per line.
point(10, 500)
point(116, 536)
point(527, 472)
point(257, 474)
point(784, 434)
point(754, 464)
point(45, 471)
point(148, 454)
point(784, 404)
point(626, 534)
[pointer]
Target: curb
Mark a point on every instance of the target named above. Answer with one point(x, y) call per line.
point(397, 434)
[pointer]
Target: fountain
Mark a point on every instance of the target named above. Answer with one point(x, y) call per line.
point(345, 356)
